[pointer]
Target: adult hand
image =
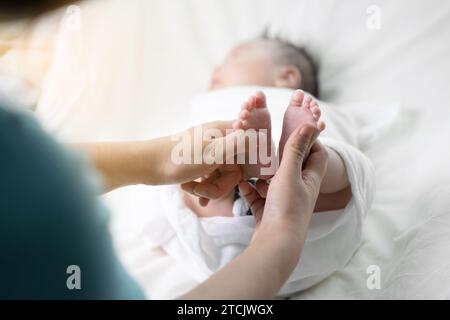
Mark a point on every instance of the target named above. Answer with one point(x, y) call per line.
point(288, 202)
point(283, 218)
point(215, 185)
point(219, 180)
point(217, 148)
point(152, 162)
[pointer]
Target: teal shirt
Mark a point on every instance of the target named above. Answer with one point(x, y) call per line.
point(50, 219)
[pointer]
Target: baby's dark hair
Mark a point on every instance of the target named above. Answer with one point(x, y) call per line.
point(287, 53)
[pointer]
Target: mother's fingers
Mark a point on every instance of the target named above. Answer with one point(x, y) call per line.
point(262, 187)
point(231, 145)
point(316, 165)
point(219, 184)
point(190, 187)
point(296, 150)
point(253, 199)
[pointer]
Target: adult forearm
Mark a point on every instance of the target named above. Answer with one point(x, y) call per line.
point(127, 163)
point(150, 162)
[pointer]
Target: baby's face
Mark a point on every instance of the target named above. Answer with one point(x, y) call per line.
point(246, 64)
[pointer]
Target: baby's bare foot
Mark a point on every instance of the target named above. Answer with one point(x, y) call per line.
point(255, 115)
point(302, 111)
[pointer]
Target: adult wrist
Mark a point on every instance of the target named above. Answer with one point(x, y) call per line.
point(283, 248)
point(291, 228)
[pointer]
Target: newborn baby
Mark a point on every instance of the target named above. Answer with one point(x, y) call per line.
point(266, 63)
point(204, 236)
point(272, 63)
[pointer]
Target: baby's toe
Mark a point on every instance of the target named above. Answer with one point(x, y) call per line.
point(245, 124)
point(250, 103)
point(321, 125)
point(316, 112)
point(259, 99)
point(297, 98)
point(237, 125)
point(244, 114)
point(307, 102)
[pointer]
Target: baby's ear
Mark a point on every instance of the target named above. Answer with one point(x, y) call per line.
point(288, 77)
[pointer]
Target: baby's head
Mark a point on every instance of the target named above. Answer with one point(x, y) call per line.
point(268, 63)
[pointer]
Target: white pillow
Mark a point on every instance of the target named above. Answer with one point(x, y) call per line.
point(406, 60)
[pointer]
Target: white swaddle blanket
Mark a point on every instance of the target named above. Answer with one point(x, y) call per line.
point(204, 245)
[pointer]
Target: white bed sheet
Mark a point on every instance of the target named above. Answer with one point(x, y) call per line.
point(162, 53)
point(405, 62)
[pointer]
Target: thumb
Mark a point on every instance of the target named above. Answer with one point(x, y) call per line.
point(316, 165)
point(296, 149)
point(231, 145)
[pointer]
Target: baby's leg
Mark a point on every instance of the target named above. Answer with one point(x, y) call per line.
point(302, 110)
point(256, 116)
point(335, 188)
